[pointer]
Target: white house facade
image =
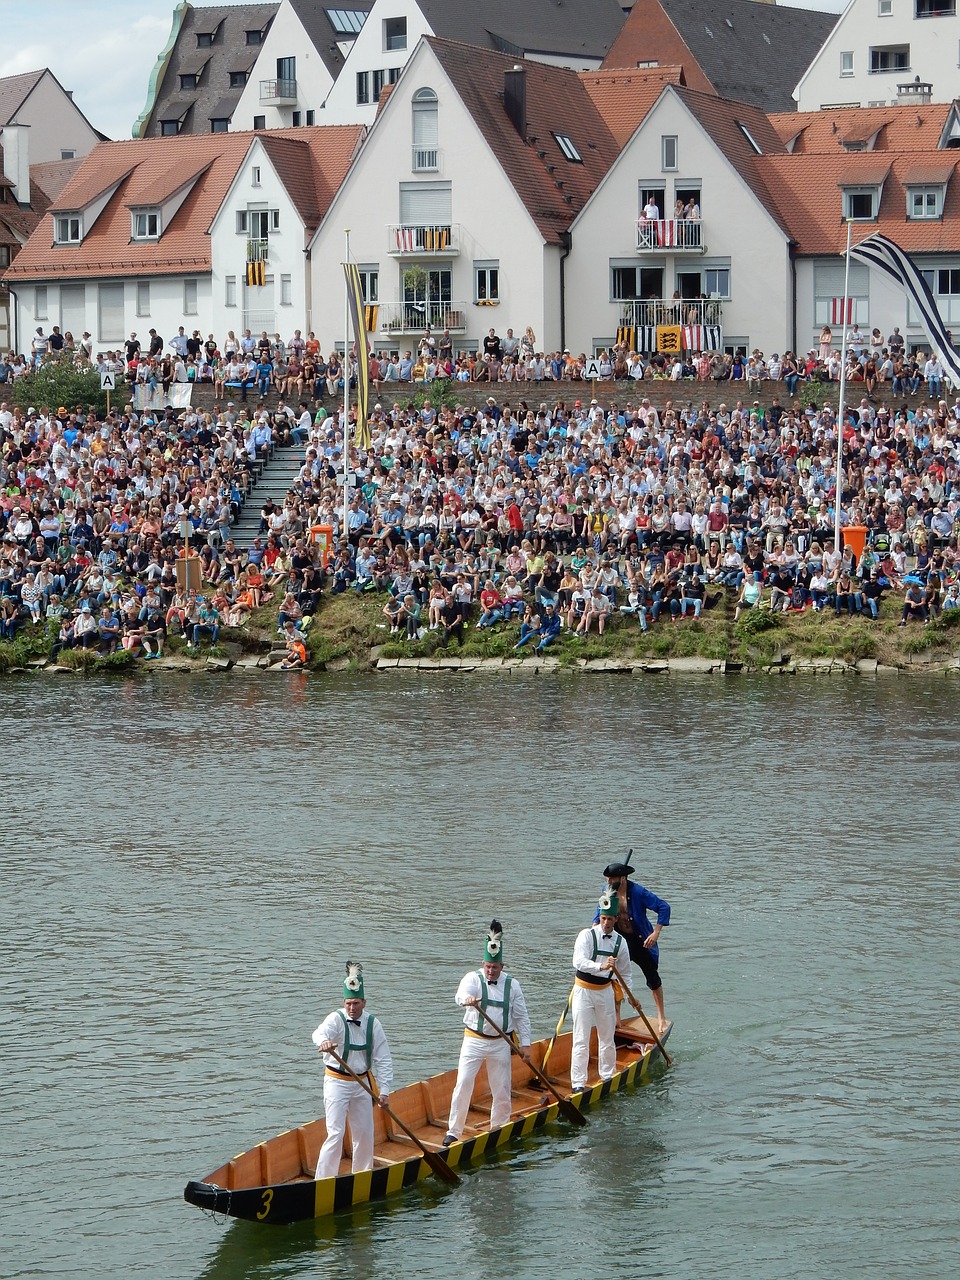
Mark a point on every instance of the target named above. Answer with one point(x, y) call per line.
point(378, 54)
point(58, 128)
point(725, 276)
point(885, 51)
point(441, 235)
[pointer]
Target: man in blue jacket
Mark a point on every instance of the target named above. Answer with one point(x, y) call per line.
point(547, 631)
point(634, 901)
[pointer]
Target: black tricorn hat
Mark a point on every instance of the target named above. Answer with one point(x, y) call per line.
point(613, 870)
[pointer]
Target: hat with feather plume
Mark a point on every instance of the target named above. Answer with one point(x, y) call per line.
point(493, 944)
point(353, 982)
point(609, 903)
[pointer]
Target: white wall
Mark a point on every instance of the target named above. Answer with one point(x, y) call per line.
point(735, 226)
point(934, 45)
point(55, 123)
point(165, 313)
point(286, 256)
point(285, 39)
point(368, 54)
point(493, 222)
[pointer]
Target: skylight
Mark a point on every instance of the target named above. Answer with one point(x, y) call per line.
point(749, 137)
point(346, 21)
point(569, 150)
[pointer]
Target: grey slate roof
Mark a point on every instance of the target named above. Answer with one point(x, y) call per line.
point(213, 97)
point(568, 28)
point(751, 52)
point(314, 20)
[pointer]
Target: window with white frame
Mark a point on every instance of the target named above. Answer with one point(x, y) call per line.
point(67, 228)
point(68, 154)
point(369, 282)
point(889, 57)
point(145, 224)
point(944, 284)
point(426, 131)
point(394, 33)
point(716, 282)
point(243, 222)
point(486, 277)
point(255, 176)
point(884, 8)
point(569, 148)
point(189, 297)
point(924, 203)
point(669, 152)
point(828, 289)
point(40, 302)
point(846, 62)
point(861, 204)
point(143, 297)
point(935, 8)
point(229, 291)
point(286, 291)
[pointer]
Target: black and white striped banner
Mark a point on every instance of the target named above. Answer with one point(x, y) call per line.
point(881, 252)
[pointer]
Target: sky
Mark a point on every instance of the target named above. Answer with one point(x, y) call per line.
point(104, 50)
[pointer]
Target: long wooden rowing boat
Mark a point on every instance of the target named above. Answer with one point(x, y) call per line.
point(273, 1182)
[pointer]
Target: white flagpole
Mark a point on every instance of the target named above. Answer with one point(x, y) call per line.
point(346, 392)
point(843, 392)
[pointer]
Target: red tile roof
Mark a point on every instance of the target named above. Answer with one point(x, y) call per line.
point(311, 161)
point(898, 128)
point(552, 188)
point(623, 97)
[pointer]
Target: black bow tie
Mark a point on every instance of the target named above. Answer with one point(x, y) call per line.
point(492, 982)
point(355, 1021)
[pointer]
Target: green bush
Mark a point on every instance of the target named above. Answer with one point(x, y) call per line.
point(61, 383)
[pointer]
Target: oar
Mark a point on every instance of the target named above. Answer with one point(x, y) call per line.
point(636, 1004)
point(439, 1166)
point(553, 1038)
point(567, 1108)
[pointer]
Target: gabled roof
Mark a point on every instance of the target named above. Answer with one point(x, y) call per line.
point(907, 152)
point(14, 91)
point(325, 38)
point(213, 98)
point(167, 184)
point(567, 28)
point(16, 222)
point(623, 98)
point(149, 165)
point(551, 187)
point(746, 50)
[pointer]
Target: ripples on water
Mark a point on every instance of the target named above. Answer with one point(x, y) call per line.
point(186, 865)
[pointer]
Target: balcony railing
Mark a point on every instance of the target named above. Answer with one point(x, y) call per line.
point(669, 235)
point(413, 317)
point(417, 240)
point(258, 250)
point(425, 160)
point(654, 311)
point(278, 92)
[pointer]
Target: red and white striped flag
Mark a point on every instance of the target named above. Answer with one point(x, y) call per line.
point(666, 232)
point(405, 239)
point(837, 309)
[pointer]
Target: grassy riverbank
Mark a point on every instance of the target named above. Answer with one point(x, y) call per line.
point(349, 631)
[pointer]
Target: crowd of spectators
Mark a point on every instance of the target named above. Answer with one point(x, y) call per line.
point(548, 516)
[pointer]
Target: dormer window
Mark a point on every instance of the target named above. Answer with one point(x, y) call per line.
point(860, 204)
point(924, 203)
point(188, 80)
point(67, 228)
point(145, 224)
point(204, 39)
point(254, 37)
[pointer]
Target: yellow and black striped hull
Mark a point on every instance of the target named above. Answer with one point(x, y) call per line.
point(272, 1182)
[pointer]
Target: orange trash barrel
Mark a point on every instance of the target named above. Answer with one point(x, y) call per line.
point(322, 534)
point(855, 537)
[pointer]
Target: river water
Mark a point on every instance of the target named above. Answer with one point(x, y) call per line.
point(187, 862)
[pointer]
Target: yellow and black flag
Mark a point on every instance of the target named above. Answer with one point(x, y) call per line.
point(357, 309)
point(256, 273)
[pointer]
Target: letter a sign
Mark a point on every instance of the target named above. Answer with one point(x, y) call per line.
point(108, 381)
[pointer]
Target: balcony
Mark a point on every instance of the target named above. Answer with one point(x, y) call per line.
point(419, 241)
point(668, 235)
point(401, 318)
point(425, 160)
point(258, 250)
point(278, 93)
point(655, 311)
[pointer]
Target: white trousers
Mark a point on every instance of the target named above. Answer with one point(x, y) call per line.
point(474, 1053)
point(593, 1008)
point(345, 1100)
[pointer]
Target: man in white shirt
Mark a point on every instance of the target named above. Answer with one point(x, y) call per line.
point(500, 996)
point(358, 1038)
point(598, 953)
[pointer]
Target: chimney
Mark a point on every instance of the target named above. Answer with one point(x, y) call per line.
point(515, 98)
point(916, 92)
point(16, 159)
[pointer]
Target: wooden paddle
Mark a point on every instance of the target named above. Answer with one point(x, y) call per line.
point(567, 1109)
point(438, 1165)
point(636, 1004)
point(553, 1038)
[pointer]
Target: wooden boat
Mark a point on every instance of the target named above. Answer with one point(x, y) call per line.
point(273, 1182)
